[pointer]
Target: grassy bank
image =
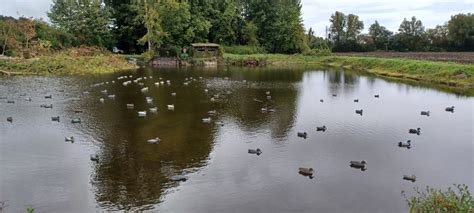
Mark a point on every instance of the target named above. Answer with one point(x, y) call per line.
point(445, 73)
point(456, 199)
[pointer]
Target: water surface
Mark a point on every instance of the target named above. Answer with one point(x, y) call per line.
point(39, 169)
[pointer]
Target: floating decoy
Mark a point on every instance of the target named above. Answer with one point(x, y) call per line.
point(359, 111)
point(10, 102)
point(50, 106)
point(212, 112)
point(48, 96)
point(23, 94)
point(411, 178)
point(76, 120)
point(144, 90)
point(185, 83)
point(219, 123)
point(358, 165)
point(450, 109)
point(302, 134)
point(69, 139)
point(55, 118)
point(168, 82)
point(255, 151)
point(267, 92)
point(101, 100)
point(141, 113)
point(10, 119)
point(244, 81)
point(130, 106)
point(85, 93)
point(334, 95)
point(206, 90)
point(213, 100)
point(427, 113)
point(28, 99)
point(356, 100)
point(3, 97)
point(154, 140)
point(78, 111)
point(321, 100)
point(171, 107)
point(269, 97)
point(141, 84)
point(149, 100)
point(173, 94)
point(179, 178)
point(376, 96)
point(406, 144)
point(415, 131)
point(306, 171)
point(206, 120)
point(154, 109)
point(157, 84)
point(322, 128)
point(94, 157)
point(111, 96)
point(104, 91)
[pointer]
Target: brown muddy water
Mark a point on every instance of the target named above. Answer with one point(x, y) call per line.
point(39, 169)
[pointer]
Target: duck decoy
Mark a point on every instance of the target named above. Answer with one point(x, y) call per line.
point(321, 100)
point(427, 113)
point(206, 90)
point(306, 171)
point(23, 94)
point(450, 109)
point(267, 92)
point(154, 140)
point(78, 111)
point(154, 109)
point(3, 97)
point(157, 84)
point(213, 99)
point(48, 96)
point(411, 178)
point(173, 94)
point(149, 100)
point(104, 91)
point(356, 100)
point(376, 96)
point(28, 99)
point(55, 118)
point(321, 128)
point(168, 82)
point(302, 134)
point(171, 107)
point(141, 113)
point(244, 81)
point(10, 102)
point(101, 100)
point(144, 90)
point(94, 157)
point(69, 139)
point(269, 97)
point(130, 106)
point(10, 119)
point(46, 106)
point(360, 111)
point(255, 151)
point(358, 165)
point(111, 96)
point(211, 112)
point(406, 144)
point(334, 95)
point(185, 83)
point(219, 123)
point(415, 131)
point(76, 120)
point(206, 120)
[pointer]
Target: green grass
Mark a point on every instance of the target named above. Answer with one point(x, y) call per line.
point(243, 49)
point(64, 64)
point(445, 73)
point(458, 199)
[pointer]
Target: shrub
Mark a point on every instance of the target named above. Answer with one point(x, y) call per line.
point(434, 200)
point(243, 49)
point(317, 52)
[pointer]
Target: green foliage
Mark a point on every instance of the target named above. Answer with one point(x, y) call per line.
point(380, 35)
point(411, 36)
point(88, 20)
point(243, 49)
point(458, 199)
point(461, 31)
point(345, 31)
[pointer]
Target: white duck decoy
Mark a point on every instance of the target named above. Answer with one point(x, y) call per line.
point(206, 120)
point(171, 107)
point(94, 157)
point(149, 100)
point(130, 106)
point(267, 92)
point(144, 90)
point(111, 96)
point(212, 112)
point(154, 140)
point(206, 90)
point(154, 109)
point(104, 91)
point(157, 84)
point(69, 139)
point(141, 113)
point(173, 94)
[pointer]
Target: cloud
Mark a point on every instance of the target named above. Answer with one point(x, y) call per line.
point(316, 13)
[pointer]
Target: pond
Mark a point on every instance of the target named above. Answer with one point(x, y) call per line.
point(39, 169)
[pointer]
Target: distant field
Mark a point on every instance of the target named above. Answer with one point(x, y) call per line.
point(458, 57)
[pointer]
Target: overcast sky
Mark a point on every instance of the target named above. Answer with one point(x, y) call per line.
point(316, 13)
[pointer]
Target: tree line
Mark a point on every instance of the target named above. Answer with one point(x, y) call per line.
point(274, 26)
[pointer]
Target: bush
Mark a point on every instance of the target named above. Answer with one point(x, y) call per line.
point(317, 52)
point(434, 200)
point(243, 49)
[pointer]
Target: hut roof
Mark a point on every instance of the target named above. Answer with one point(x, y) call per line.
point(204, 45)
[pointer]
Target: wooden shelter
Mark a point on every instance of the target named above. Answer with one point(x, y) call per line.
point(205, 50)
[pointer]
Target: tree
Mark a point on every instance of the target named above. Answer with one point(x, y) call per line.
point(8, 35)
point(344, 31)
point(88, 20)
point(338, 24)
point(176, 22)
point(461, 31)
point(27, 28)
point(380, 36)
point(411, 36)
point(250, 34)
point(438, 38)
